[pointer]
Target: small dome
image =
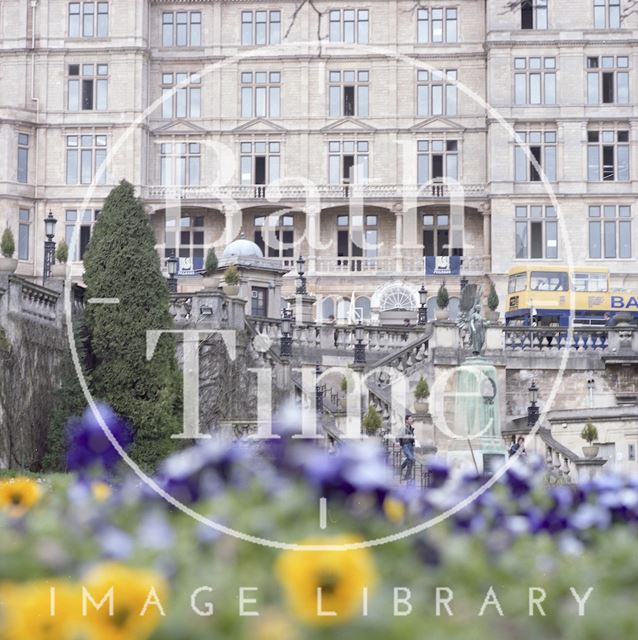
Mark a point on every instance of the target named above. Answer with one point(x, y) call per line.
point(243, 248)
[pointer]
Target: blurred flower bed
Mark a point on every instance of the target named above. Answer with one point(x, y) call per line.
point(173, 577)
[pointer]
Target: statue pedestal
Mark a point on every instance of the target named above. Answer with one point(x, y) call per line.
point(477, 421)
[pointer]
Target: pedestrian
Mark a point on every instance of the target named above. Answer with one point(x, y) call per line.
point(513, 447)
point(406, 441)
point(521, 446)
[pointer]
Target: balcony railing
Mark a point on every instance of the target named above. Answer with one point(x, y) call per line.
point(547, 339)
point(304, 192)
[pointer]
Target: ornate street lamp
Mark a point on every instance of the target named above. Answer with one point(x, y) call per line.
point(423, 310)
point(532, 410)
point(172, 265)
point(359, 347)
point(319, 390)
point(301, 280)
point(49, 245)
point(285, 342)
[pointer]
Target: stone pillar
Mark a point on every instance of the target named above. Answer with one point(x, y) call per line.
point(487, 230)
point(303, 308)
point(398, 241)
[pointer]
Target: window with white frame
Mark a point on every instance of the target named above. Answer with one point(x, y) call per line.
point(607, 155)
point(88, 19)
point(349, 93)
point(260, 162)
point(180, 163)
point(607, 80)
point(24, 234)
point(437, 25)
point(610, 231)
point(534, 14)
point(535, 80)
point(88, 87)
point(181, 95)
point(190, 248)
point(86, 221)
point(348, 161)
point(260, 27)
point(357, 236)
point(436, 235)
point(275, 235)
point(181, 29)
point(606, 14)
point(86, 159)
point(542, 149)
point(435, 95)
point(436, 160)
point(260, 94)
point(23, 157)
point(536, 232)
point(349, 25)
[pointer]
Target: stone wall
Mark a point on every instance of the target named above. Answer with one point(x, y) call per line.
point(32, 343)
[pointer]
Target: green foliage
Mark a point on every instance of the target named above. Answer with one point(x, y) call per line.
point(121, 262)
point(7, 244)
point(589, 432)
point(372, 421)
point(211, 262)
point(231, 275)
point(62, 252)
point(69, 402)
point(492, 298)
point(442, 297)
point(422, 390)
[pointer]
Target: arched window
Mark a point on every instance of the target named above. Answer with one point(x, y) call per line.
point(327, 309)
point(363, 309)
point(343, 310)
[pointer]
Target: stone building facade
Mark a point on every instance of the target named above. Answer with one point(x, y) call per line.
point(390, 139)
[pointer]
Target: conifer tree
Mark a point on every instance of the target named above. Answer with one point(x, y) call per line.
point(121, 262)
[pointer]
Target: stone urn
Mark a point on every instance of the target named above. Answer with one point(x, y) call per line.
point(231, 290)
point(8, 265)
point(442, 314)
point(58, 270)
point(210, 282)
point(591, 451)
point(421, 407)
point(491, 316)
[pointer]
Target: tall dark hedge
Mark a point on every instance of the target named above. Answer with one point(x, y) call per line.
point(121, 262)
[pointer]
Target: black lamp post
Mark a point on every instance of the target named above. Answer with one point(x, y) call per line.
point(301, 279)
point(285, 342)
point(532, 410)
point(49, 245)
point(423, 310)
point(172, 264)
point(318, 392)
point(359, 347)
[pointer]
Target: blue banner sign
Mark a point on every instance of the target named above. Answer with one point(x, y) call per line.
point(442, 265)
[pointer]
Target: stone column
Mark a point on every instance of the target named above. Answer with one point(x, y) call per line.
point(487, 229)
point(398, 239)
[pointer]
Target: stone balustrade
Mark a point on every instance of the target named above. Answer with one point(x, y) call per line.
point(556, 339)
point(21, 298)
point(275, 193)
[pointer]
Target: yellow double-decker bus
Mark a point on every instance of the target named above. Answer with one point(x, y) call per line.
point(542, 295)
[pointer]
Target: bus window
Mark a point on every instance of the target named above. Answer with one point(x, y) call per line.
point(590, 282)
point(548, 281)
point(517, 282)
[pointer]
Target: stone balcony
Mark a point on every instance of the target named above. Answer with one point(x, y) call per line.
point(323, 192)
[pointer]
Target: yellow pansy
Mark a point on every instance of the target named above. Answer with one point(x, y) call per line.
point(18, 495)
point(341, 577)
point(31, 611)
point(101, 491)
point(135, 596)
point(394, 509)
